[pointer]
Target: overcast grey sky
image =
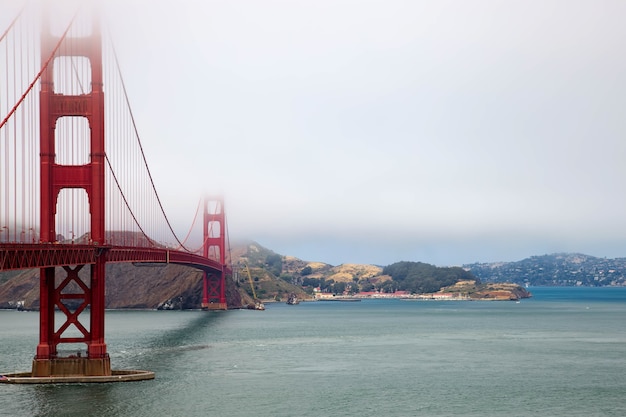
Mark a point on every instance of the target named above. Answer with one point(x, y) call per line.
point(374, 131)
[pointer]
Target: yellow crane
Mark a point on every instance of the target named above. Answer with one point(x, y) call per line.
point(258, 305)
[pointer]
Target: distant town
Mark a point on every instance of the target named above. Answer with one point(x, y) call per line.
point(561, 269)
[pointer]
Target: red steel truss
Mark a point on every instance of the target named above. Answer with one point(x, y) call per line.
point(28, 256)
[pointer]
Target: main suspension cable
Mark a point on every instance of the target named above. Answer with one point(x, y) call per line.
point(38, 76)
point(12, 24)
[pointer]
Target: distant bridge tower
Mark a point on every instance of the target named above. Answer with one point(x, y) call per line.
point(214, 247)
point(72, 294)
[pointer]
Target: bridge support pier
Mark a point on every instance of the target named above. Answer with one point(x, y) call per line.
point(214, 292)
point(72, 296)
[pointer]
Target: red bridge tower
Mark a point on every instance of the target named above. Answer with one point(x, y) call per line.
point(87, 292)
point(214, 247)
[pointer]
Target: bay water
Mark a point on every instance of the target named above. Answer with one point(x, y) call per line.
point(560, 353)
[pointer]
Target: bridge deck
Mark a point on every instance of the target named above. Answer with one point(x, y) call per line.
point(27, 256)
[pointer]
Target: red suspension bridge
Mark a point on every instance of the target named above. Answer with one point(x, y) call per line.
point(76, 192)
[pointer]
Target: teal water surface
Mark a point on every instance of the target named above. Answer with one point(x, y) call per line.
point(561, 353)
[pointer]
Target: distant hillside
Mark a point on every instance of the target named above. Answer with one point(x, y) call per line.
point(559, 269)
point(127, 286)
point(276, 276)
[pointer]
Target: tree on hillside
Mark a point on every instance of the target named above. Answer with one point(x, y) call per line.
point(387, 286)
point(419, 277)
point(274, 264)
point(310, 282)
point(338, 287)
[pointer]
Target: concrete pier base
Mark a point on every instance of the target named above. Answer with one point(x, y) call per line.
point(61, 367)
point(74, 370)
point(115, 376)
point(214, 306)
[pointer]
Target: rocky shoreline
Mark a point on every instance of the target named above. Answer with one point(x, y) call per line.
point(470, 290)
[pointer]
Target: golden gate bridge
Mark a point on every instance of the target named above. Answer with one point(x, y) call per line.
point(76, 191)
